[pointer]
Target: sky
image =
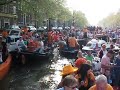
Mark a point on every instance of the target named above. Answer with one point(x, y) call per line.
point(95, 10)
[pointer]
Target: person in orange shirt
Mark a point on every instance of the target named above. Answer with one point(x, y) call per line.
point(85, 77)
point(72, 42)
point(50, 38)
point(101, 84)
point(31, 46)
point(37, 44)
point(4, 34)
point(25, 29)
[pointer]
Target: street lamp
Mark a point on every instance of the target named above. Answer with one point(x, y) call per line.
point(14, 11)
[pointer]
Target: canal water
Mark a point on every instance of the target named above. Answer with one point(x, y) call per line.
point(44, 75)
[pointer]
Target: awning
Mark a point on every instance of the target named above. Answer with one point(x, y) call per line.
point(8, 15)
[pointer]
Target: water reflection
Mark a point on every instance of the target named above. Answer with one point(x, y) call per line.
point(38, 76)
point(54, 77)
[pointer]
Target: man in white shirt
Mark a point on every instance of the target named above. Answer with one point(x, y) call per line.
point(20, 44)
point(41, 46)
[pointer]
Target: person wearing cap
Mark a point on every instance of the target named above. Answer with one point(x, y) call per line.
point(85, 77)
point(101, 83)
point(67, 70)
point(69, 83)
point(81, 60)
point(102, 52)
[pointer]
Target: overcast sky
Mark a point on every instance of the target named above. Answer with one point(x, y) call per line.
point(95, 10)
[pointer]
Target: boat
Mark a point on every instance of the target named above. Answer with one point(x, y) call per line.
point(4, 67)
point(69, 54)
point(103, 37)
point(27, 56)
point(36, 55)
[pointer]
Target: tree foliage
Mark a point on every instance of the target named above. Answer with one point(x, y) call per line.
point(5, 2)
point(80, 19)
point(45, 9)
point(113, 20)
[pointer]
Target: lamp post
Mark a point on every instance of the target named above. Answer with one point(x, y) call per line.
point(73, 22)
point(14, 12)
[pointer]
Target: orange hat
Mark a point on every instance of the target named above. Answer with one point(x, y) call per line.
point(80, 61)
point(68, 69)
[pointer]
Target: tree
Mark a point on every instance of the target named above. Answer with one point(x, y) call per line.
point(48, 9)
point(113, 20)
point(80, 19)
point(4, 2)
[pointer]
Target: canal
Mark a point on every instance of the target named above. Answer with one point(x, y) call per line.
point(43, 75)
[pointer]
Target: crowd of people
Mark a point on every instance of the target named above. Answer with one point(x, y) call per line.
point(79, 76)
point(81, 72)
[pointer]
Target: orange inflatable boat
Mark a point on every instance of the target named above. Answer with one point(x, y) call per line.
point(4, 67)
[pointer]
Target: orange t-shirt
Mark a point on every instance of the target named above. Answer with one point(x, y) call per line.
point(25, 30)
point(109, 87)
point(49, 37)
point(4, 34)
point(72, 42)
point(80, 61)
point(31, 46)
point(37, 44)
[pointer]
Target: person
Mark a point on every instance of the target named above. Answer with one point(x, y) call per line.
point(101, 83)
point(62, 44)
point(37, 43)
point(117, 70)
point(105, 63)
point(69, 83)
point(25, 29)
point(56, 37)
point(96, 49)
point(50, 38)
point(85, 77)
point(112, 47)
point(67, 70)
point(4, 51)
point(41, 46)
point(102, 52)
point(72, 42)
point(1, 59)
point(89, 56)
point(31, 46)
point(20, 44)
point(81, 60)
point(4, 34)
